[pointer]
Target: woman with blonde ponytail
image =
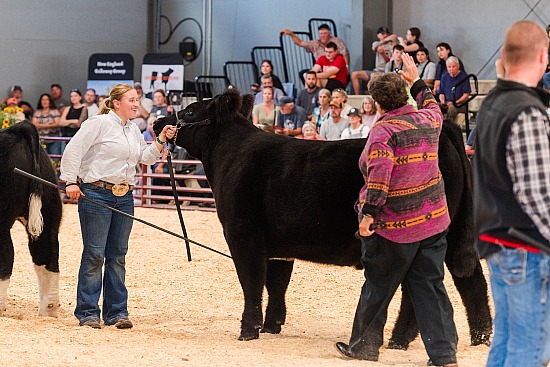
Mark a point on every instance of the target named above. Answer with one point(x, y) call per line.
point(100, 162)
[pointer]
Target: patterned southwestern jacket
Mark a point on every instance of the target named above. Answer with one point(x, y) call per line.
point(404, 190)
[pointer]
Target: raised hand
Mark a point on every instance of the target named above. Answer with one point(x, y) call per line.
point(411, 71)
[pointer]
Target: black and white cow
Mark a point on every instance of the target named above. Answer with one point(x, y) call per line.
point(36, 206)
point(280, 197)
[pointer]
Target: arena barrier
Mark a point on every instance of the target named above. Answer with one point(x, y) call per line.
point(159, 195)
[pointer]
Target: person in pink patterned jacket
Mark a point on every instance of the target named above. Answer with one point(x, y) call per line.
point(403, 218)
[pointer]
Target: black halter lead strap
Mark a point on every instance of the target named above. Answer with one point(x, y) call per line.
point(176, 200)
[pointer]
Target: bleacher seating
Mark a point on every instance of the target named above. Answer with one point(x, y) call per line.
point(207, 86)
point(276, 55)
point(314, 23)
point(296, 58)
point(241, 74)
point(484, 87)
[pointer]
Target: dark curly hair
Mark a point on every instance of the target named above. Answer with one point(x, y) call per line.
point(389, 90)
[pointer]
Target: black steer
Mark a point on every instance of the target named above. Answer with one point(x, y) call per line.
point(36, 206)
point(280, 198)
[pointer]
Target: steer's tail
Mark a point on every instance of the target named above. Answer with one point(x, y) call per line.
point(36, 222)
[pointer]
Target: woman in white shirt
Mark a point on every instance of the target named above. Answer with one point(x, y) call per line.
point(100, 162)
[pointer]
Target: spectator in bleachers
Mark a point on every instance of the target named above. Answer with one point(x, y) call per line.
point(73, 116)
point(264, 114)
point(369, 112)
point(56, 91)
point(321, 113)
point(383, 48)
point(340, 95)
point(17, 92)
point(444, 51)
point(89, 99)
point(426, 67)
point(317, 47)
point(46, 121)
point(462, 91)
point(100, 99)
point(149, 134)
point(412, 42)
point(356, 129)
point(309, 132)
point(267, 81)
point(144, 108)
point(396, 62)
point(331, 69)
point(267, 69)
point(290, 118)
point(333, 127)
point(160, 107)
point(307, 98)
point(17, 111)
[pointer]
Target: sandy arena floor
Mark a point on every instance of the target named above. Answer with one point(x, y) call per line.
point(188, 313)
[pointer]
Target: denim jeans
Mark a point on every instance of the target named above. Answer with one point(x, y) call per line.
point(105, 237)
point(520, 287)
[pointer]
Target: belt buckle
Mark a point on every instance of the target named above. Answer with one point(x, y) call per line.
point(120, 189)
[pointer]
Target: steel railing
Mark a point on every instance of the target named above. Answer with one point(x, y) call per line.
point(147, 194)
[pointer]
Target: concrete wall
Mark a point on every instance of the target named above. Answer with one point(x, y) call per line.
point(50, 41)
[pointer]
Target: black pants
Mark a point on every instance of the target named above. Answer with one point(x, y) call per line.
point(420, 266)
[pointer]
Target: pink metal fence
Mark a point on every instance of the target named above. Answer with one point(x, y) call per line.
point(146, 194)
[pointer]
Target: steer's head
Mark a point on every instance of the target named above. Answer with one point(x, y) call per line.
point(200, 120)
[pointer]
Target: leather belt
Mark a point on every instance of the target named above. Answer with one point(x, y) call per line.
point(117, 189)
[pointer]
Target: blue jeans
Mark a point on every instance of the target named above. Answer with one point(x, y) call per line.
point(105, 237)
point(520, 287)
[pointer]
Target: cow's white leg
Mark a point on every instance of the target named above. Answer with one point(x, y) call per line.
point(4, 284)
point(48, 291)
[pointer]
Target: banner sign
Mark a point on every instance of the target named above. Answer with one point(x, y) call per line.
point(107, 70)
point(162, 71)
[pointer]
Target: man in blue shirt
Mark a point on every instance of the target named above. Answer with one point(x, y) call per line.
point(462, 92)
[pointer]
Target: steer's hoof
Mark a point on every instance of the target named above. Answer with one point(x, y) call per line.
point(271, 329)
point(396, 345)
point(481, 339)
point(249, 335)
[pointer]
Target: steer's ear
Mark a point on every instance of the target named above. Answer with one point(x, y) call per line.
point(228, 104)
point(248, 105)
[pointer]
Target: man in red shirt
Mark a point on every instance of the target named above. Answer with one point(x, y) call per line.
point(331, 69)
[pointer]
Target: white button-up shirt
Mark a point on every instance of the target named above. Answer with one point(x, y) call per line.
point(106, 149)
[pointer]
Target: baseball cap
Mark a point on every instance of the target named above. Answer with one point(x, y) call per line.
point(354, 111)
point(336, 104)
point(137, 85)
point(284, 100)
